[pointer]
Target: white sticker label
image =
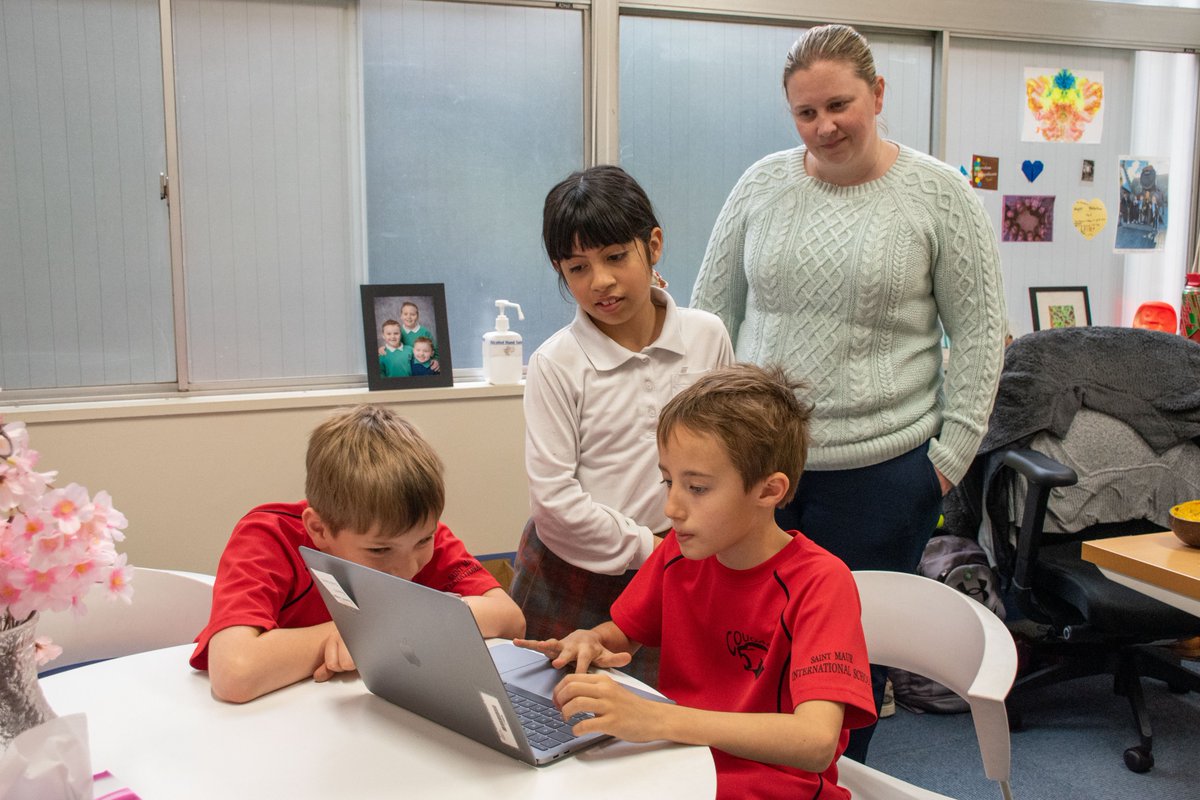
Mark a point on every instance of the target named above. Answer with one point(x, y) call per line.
point(496, 712)
point(334, 588)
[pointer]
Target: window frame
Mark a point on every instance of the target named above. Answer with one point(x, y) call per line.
point(1113, 25)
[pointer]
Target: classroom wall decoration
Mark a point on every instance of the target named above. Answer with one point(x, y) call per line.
point(1059, 307)
point(985, 172)
point(1089, 217)
point(985, 96)
point(1144, 209)
point(1027, 218)
point(1031, 169)
point(1063, 105)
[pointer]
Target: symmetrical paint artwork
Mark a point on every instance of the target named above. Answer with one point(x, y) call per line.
point(1063, 105)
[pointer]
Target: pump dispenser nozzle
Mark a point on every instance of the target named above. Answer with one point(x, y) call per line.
point(502, 320)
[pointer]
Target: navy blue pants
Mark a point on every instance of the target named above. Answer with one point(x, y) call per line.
point(876, 517)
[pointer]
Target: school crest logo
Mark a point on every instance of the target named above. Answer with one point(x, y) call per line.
point(752, 652)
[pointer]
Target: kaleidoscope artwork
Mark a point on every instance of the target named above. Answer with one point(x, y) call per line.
point(1063, 105)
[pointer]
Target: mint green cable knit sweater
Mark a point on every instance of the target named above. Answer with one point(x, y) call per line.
point(843, 286)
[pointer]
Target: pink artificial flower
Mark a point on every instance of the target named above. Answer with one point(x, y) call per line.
point(71, 507)
point(49, 542)
point(6, 543)
point(85, 570)
point(119, 578)
point(103, 514)
point(44, 589)
point(28, 526)
point(9, 594)
point(45, 651)
point(55, 544)
point(19, 482)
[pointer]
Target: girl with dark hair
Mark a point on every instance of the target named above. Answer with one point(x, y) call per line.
point(593, 392)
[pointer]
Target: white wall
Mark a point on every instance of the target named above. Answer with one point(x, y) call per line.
point(184, 471)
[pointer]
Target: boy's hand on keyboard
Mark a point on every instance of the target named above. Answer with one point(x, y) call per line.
point(614, 709)
point(583, 647)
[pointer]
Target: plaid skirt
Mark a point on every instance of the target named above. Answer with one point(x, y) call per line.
point(557, 598)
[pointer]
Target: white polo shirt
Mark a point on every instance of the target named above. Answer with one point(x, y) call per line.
point(591, 412)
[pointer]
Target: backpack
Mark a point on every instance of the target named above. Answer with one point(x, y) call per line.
point(958, 562)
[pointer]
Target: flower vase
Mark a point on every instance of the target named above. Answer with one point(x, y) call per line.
point(22, 704)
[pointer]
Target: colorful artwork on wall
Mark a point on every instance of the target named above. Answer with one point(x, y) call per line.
point(1027, 218)
point(1089, 217)
point(985, 172)
point(1059, 307)
point(1063, 105)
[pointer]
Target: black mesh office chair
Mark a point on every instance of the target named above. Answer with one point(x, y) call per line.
point(1122, 407)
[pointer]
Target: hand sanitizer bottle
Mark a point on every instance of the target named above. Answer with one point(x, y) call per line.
point(502, 349)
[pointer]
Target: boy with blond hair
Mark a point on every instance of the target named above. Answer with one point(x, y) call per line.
point(761, 641)
point(374, 493)
point(422, 359)
point(411, 327)
point(395, 355)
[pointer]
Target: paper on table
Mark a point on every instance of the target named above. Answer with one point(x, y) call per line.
point(49, 760)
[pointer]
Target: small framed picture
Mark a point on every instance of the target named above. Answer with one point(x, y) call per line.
point(1059, 307)
point(406, 335)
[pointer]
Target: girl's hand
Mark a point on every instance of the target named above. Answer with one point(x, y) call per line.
point(583, 647)
point(618, 712)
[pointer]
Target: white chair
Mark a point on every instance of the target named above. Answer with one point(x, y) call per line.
point(926, 627)
point(168, 608)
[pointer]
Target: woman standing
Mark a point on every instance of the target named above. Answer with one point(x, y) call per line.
point(842, 260)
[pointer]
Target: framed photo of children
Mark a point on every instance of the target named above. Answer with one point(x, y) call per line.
point(1059, 307)
point(406, 335)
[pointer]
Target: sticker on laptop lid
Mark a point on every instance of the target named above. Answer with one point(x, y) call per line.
point(499, 721)
point(334, 588)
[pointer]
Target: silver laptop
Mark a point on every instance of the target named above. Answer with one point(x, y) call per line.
point(420, 649)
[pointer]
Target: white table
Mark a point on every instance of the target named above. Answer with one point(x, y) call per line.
point(154, 724)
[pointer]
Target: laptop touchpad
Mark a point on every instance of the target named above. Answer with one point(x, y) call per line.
point(526, 668)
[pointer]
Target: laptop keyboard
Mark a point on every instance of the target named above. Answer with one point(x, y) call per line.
point(543, 723)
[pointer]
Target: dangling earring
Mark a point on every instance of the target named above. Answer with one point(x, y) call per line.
point(657, 280)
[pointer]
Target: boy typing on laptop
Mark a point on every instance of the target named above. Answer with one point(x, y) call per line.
point(762, 644)
point(374, 493)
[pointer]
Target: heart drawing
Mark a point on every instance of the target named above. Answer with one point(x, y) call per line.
point(1032, 169)
point(1089, 217)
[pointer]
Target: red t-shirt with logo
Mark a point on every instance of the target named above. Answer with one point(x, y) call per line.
point(262, 580)
point(763, 639)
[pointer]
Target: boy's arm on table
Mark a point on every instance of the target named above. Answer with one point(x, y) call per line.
point(806, 739)
point(245, 662)
point(496, 614)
